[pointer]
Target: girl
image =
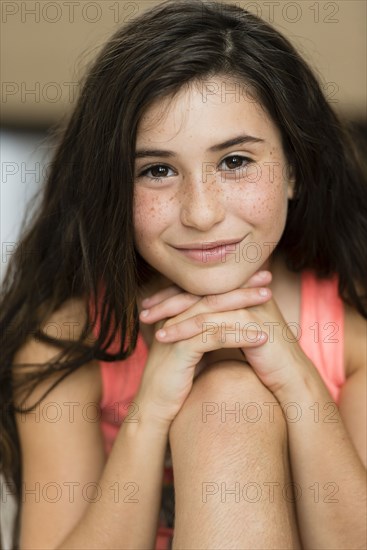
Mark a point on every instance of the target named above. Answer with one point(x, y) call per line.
point(201, 164)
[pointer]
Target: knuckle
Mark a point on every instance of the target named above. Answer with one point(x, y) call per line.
point(200, 320)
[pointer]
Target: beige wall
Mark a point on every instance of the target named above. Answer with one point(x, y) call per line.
point(45, 45)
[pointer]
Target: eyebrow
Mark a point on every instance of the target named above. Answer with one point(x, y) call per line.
point(238, 140)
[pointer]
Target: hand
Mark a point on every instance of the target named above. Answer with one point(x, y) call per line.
point(170, 368)
point(279, 362)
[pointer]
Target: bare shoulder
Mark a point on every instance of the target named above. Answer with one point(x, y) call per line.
point(60, 438)
point(355, 340)
point(66, 323)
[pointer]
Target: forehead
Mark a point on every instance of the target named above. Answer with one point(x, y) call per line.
point(214, 107)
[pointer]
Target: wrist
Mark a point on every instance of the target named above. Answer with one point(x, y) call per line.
point(148, 417)
point(305, 387)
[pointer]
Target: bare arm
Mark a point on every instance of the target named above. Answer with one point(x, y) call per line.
point(328, 470)
point(126, 514)
point(72, 497)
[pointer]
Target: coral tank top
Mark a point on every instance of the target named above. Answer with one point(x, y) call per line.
point(320, 334)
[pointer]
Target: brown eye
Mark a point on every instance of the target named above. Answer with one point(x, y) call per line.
point(236, 161)
point(157, 171)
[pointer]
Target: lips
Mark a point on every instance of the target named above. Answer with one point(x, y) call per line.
point(205, 245)
point(208, 253)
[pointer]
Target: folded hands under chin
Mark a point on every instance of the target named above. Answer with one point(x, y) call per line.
point(235, 321)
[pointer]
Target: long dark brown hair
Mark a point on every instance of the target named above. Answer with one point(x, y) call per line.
point(81, 235)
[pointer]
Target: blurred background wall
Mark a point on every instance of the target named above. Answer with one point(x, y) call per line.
point(45, 46)
point(46, 43)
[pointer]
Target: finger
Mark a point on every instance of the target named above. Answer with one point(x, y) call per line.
point(258, 278)
point(215, 340)
point(171, 307)
point(235, 324)
point(238, 299)
point(158, 297)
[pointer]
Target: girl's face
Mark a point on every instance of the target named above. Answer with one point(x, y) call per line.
point(192, 188)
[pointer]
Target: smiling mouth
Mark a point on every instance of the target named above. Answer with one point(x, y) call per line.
point(210, 252)
point(208, 245)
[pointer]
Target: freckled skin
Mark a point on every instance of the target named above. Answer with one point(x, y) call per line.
point(200, 198)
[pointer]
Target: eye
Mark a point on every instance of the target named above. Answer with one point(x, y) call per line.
point(238, 160)
point(159, 169)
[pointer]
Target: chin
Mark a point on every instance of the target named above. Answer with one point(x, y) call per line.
point(203, 284)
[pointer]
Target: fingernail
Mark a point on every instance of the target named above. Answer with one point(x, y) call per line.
point(263, 274)
point(145, 301)
point(144, 313)
point(263, 292)
point(161, 333)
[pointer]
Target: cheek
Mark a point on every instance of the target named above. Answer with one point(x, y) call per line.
point(262, 200)
point(150, 215)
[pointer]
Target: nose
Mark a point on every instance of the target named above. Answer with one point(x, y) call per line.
point(201, 203)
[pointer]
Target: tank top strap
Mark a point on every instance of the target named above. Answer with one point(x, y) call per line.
point(322, 327)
